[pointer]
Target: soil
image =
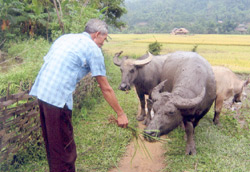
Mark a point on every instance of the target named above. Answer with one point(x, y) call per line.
point(141, 162)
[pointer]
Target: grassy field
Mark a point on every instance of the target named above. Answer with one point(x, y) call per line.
point(231, 51)
point(100, 145)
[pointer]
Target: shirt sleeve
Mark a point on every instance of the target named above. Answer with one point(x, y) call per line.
point(96, 63)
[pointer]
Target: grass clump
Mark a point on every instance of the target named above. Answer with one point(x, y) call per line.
point(155, 48)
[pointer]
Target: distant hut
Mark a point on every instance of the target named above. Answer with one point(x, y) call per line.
point(179, 31)
point(241, 28)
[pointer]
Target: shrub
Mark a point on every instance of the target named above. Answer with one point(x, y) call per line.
point(155, 48)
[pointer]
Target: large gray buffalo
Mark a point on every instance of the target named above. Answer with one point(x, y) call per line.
point(227, 85)
point(185, 96)
point(144, 73)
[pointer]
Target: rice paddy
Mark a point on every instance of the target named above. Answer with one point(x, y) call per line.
point(232, 51)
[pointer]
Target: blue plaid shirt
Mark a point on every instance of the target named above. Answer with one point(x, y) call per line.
point(70, 58)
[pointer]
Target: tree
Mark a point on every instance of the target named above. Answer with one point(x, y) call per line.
point(23, 19)
point(112, 11)
point(58, 15)
point(227, 27)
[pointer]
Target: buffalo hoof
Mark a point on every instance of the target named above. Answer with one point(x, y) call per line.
point(140, 118)
point(216, 122)
point(146, 121)
point(190, 150)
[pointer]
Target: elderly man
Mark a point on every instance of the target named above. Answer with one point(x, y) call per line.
point(69, 59)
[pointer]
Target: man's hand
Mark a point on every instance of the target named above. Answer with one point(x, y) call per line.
point(122, 121)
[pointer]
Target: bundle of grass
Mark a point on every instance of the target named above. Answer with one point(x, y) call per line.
point(138, 137)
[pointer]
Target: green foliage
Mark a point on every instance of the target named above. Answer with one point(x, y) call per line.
point(31, 52)
point(76, 16)
point(200, 17)
point(155, 48)
point(25, 19)
point(38, 18)
point(33, 151)
point(112, 10)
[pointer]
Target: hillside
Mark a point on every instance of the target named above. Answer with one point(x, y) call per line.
point(198, 16)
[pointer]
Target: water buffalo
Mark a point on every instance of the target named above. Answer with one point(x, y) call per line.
point(144, 73)
point(185, 96)
point(227, 85)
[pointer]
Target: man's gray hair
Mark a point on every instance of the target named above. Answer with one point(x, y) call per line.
point(96, 25)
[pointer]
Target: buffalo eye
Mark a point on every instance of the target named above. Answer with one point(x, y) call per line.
point(171, 112)
point(132, 71)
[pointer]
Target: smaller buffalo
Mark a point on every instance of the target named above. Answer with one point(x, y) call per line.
point(186, 95)
point(144, 73)
point(227, 85)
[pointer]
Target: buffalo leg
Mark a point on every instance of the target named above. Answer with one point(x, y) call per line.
point(190, 147)
point(217, 109)
point(142, 102)
point(148, 115)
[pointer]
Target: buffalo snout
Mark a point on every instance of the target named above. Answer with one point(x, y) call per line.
point(150, 135)
point(124, 87)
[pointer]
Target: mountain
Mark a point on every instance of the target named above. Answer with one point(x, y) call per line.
point(197, 16)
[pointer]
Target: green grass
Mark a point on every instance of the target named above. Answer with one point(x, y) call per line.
point(100, 145)
point(32, 52)
point(222, 148)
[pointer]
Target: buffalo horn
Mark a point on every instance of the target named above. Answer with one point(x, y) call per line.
point(182, 103)
point(116, 60)
point(156, 95)
point(144, 61)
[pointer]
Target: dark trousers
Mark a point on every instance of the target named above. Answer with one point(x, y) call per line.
point(58, 137)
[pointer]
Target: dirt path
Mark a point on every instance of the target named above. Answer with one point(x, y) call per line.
point(142, 163)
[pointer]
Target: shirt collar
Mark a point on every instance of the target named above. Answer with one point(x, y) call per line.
point(87, 34)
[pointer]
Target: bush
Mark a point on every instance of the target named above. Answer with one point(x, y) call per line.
point(155, 48)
